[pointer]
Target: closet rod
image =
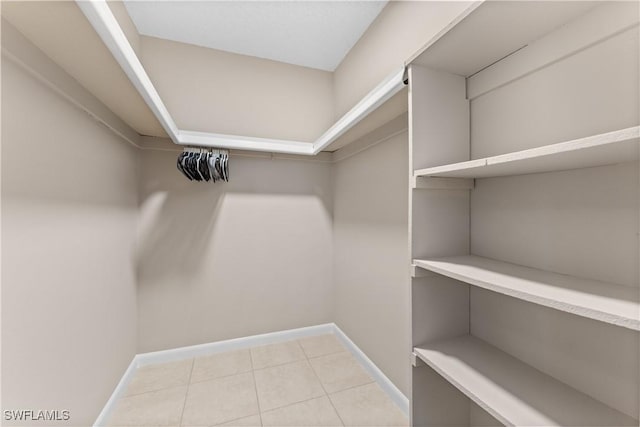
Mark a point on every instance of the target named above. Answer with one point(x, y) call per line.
point(105, 24)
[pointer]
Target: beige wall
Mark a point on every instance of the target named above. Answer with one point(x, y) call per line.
point(371, 299)
point(215, 91)
point(255, 255)
point(211, 261)
point(69, 209)
point(400, 30)
point(63, 33)
point(219, 261)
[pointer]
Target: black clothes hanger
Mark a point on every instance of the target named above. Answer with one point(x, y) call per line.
point(225, 168)
point(179, 165)
point(204, 166)
point(199, 164)
point(211, 165)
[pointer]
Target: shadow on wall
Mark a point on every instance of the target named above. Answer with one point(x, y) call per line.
point(185, 228)
point(175, 227)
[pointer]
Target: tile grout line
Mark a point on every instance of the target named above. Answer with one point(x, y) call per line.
point(190, 382)
point(344, 350)
point(329, 354)
point(227, 422)
point(151, 391)
point(255, 387)
point(229, 375)
point(137, 373)
point(186, 396)
point(325, 392)
point(220, 377)
point(371, 379)
point(299, 401)
point(307, 400)
point(303, 350)
point(352, 387)
point(306, 358)
point(279, 364)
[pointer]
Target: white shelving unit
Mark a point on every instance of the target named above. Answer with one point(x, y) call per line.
point(107, 27)
point(511, 391)
point(606, 302)
point(598, 150)
point(505, 222)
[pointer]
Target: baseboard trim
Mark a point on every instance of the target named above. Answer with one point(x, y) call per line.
point(120, 388)
point(385, 383)
point(180, 353)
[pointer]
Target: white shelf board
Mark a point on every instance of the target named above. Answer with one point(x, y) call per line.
point(605, 302)
point(598, 150)
point(513, 392)
point(490, 30)
point(104, 22)
point(436, 183)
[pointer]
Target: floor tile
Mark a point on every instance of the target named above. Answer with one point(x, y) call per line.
point(367, 405)
point(220, 365)
point(286, 384)
point(321, 345)
point(276, 354)
point(220, 400)
point(252, 421)
point(339, 371)
point(316, 412)
point(157, 377)
point(156, 408)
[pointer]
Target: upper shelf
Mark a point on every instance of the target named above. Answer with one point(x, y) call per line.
point(490, 30)
point(493, 43)
point(513, 392)
point(606, 302)
point(104, 22)
point(597, 150)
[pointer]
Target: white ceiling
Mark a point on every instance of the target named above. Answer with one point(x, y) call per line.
point(316, 34)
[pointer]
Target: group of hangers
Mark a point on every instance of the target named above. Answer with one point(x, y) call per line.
point(202, 164)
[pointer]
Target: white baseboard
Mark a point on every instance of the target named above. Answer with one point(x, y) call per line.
point(119, 390)
point(181, 353)
point(385, 383)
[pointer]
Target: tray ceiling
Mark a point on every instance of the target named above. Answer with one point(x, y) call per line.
point(316, 34)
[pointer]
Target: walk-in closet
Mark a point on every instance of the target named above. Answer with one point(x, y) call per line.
point(320, 213)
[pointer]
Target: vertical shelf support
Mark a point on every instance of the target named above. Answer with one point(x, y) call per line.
point(435, 183)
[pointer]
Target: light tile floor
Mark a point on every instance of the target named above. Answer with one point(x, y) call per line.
point(313, 381)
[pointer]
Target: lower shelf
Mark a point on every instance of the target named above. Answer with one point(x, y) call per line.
point(513, 392)
point(606, 302)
